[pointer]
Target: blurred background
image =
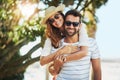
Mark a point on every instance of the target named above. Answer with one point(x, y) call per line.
point(22, 35)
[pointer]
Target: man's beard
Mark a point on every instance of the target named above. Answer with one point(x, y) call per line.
point(71, 34)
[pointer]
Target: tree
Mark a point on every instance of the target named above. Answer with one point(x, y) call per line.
point(14, 35)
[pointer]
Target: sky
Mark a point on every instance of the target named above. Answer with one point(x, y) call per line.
point(107, 35)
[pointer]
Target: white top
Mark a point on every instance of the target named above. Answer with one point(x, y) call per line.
point(83, 41)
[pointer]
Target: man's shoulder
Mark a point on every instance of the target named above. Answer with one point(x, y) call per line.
point(90, 39)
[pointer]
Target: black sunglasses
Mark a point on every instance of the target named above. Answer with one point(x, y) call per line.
point(68, 23)
point(52, 20)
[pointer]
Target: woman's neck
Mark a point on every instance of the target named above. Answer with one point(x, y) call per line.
point(61, 29)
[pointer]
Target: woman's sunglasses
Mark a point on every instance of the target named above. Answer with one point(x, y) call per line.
point(52, 20)
point(68, 23)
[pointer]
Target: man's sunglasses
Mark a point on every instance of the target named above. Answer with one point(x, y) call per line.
point(75, 24)
point(52, 20)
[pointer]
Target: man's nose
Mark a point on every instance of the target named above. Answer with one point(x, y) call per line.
point(71, 26)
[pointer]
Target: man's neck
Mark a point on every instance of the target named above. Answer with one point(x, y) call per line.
point(72, 39)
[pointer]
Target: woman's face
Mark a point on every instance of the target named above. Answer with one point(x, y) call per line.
point(56, 20)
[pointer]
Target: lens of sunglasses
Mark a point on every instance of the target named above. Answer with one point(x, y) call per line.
point(68, 23)
point(52, 20)
point(75, 24)
point(56, 16)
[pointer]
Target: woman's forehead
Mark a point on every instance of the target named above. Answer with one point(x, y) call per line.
point(54, 15)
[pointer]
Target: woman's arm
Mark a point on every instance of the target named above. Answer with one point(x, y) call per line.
point(45, 59)
point(47, 56)
point(78, 54)
point(83, 36)
point(64, 50)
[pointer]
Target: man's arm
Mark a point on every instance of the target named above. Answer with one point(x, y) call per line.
point(96, 69)
point(95, 59)
point(52, 70)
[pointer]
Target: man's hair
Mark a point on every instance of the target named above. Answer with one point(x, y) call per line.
point(74, 13)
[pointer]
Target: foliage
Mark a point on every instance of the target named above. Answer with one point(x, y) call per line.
point(13, 36)
point(15, 32)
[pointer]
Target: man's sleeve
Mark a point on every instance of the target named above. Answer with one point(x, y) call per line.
point(95, 50)
point(47, 48)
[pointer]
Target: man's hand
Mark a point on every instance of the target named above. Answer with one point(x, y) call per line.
point(55, 68)
point(58, 62)
point(52, 70)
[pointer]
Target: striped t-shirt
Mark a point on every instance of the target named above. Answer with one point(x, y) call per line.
point(79, 69)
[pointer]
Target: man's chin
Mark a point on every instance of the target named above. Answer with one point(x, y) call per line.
point(70, 34)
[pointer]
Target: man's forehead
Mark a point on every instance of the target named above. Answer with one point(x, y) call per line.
point(72, 18)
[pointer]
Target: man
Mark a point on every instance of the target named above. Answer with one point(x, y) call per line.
point(71, 66)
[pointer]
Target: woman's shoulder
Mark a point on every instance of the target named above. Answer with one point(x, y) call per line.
point(48, 41)
point(47, 38)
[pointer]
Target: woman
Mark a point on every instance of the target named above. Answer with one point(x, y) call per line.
point(55, 20)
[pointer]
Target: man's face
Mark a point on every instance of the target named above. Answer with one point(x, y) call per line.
point(72, 25)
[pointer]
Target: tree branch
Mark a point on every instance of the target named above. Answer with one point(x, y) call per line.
point(26, 56)
point(86, 4)
point(14, 70)
point(23, 58)
point(78, 4)
point(11, 53)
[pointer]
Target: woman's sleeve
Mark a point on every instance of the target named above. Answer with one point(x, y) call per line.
point(83, 36)
point(47, 48)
